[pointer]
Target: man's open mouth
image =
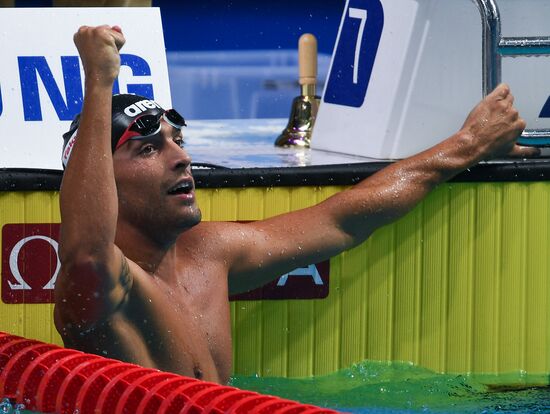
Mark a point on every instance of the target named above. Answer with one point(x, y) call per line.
point(185, 187)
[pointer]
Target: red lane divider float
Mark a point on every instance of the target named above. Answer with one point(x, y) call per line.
point(11, 373)
point(86, 400)
point(65, 402)
point(35, 371)
point(154, 396)
point(111, 394)
point(137, 390)
point(49, 378)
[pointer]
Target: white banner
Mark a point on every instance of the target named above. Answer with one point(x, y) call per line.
point(41, 77)
point(405, 74)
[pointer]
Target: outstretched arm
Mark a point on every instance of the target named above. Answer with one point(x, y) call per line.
point(346, 219)
point(90, 262)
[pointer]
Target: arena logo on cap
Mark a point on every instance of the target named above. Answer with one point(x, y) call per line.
point(141, 106)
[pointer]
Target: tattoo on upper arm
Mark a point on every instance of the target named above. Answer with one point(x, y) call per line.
point(124, 271)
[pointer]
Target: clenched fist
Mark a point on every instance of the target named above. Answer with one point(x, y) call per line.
point(99, 50)
point(494, 125)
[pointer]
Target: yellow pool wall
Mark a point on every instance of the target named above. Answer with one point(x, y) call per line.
point(459, 285)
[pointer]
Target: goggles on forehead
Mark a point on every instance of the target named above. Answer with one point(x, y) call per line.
point(147, 125)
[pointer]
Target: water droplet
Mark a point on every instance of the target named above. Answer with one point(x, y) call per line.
point(5, 406)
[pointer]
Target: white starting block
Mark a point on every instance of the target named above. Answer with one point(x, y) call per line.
point(405, 73)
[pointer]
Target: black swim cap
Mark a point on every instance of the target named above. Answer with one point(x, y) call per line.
point(125, 109)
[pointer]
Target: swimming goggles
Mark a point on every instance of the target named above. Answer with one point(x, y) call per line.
point(147, 125)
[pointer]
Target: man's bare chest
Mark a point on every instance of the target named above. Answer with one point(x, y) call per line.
point(187, 318)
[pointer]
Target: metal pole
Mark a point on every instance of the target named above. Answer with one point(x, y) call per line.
point(491, 59)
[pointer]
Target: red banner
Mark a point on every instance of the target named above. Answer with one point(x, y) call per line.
point(30, 265)
point(30, 262)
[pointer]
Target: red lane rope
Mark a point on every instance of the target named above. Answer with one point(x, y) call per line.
point(49, 378)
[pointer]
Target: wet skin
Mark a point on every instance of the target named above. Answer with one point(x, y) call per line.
point(178, 322)
point(175, 312)
point(171, 311)
point(143, 280)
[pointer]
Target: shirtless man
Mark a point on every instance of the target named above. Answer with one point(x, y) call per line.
point(144, 280)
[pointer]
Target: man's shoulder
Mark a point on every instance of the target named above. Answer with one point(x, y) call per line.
point(209, 228)
point(211, 239)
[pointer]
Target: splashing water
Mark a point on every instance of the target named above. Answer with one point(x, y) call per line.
point(382, 387)
point(390, 388)
point(6, 407)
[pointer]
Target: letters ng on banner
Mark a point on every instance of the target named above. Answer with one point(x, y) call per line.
point(41, 75)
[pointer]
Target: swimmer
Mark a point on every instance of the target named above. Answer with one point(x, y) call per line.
point(144, 280)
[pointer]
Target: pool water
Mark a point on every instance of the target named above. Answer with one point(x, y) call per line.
point(397, 388)
point(382, 387)
point(7, 408)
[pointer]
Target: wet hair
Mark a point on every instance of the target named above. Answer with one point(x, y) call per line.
point(125, 109)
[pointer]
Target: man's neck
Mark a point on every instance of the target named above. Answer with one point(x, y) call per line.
point(146, 251)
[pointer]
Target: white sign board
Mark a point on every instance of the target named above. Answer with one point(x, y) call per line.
point(405, 74)
point(41, 76)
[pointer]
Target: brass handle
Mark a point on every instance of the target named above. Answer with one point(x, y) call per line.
point(307, 59)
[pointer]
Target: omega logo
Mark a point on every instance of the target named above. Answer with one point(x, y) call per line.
point(30, 262)
point(14, 266)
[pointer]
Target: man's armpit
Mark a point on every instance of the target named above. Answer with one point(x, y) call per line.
point(124, 277)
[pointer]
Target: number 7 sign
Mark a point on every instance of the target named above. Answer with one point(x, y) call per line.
point(352, 66)
point(404, 74)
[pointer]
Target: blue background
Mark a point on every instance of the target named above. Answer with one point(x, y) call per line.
point(244, 24)
point(241, 55)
